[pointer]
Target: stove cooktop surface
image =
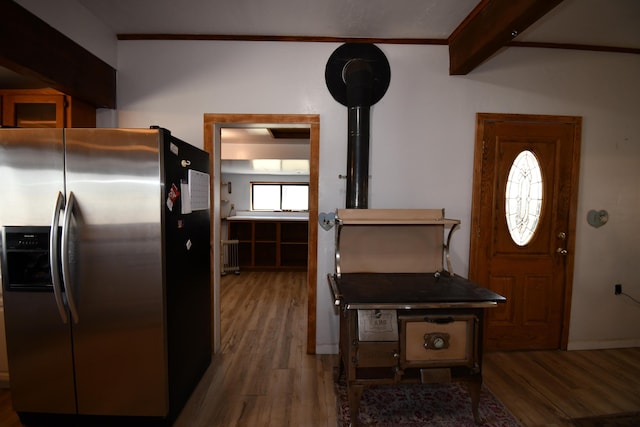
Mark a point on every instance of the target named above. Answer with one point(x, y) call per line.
point(411, 288)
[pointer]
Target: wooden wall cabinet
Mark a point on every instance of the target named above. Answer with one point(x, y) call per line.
point(39, 108)
point(270, 244)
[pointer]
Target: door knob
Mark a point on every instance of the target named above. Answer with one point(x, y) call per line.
point(562, 251)
point(562, 235)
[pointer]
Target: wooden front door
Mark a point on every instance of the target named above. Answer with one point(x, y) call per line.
point(523, 225)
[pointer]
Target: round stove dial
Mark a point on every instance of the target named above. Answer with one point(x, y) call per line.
point(436, 341)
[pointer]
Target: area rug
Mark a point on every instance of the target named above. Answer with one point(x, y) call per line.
point(618, 420)
point(413, 405)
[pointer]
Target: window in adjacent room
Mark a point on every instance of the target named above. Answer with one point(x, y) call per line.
point(279, 196)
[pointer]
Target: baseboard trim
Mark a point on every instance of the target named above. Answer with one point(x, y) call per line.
point(601, 345)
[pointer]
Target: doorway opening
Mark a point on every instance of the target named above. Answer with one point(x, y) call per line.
point(213, 125)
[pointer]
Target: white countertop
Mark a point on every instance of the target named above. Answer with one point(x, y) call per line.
point(270, 216)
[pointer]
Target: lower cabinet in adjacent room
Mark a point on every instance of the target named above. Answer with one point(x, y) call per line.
point(271, 244)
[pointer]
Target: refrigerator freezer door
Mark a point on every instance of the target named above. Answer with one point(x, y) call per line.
point(115, 260)
point(38, 342)
point(31, 173)
point(39, 352)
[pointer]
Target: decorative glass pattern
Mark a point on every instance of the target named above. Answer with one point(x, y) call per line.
point(523, 198)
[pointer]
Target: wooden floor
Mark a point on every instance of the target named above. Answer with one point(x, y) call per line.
point(263, 377)
point(548, 388)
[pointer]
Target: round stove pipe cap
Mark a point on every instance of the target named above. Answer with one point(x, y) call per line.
point(347, 64)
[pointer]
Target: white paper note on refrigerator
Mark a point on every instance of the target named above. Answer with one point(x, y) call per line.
point(199, 190)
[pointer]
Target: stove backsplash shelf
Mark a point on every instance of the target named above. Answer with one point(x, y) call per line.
point(393, 241)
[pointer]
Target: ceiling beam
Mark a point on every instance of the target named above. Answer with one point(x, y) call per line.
point(320, 39)
point(489, 27)
point(30, 46)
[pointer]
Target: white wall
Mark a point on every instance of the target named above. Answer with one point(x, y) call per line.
point(422, 136)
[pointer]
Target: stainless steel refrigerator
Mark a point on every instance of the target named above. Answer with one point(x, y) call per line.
point(105, 270)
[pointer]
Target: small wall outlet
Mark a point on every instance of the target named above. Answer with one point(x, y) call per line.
point(617, 288)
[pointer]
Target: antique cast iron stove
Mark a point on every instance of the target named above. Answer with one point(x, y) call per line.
point(404, 317)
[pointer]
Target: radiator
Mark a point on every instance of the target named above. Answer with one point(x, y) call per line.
point(229, 257)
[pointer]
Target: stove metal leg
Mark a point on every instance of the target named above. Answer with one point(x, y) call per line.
point(473, 386)
point(354, 391)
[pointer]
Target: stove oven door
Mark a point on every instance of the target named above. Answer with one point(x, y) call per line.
point(442, 340)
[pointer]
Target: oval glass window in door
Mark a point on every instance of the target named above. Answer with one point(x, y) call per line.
point(523, 197)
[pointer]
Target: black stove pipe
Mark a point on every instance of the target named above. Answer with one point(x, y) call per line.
point(357, 76)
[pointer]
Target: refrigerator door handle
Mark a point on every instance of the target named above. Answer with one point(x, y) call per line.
point(66, 274)
point(54, 259)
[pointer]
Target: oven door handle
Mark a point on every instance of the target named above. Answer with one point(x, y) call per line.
point(66, 273)
point(439, 320)
point(54, 258)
